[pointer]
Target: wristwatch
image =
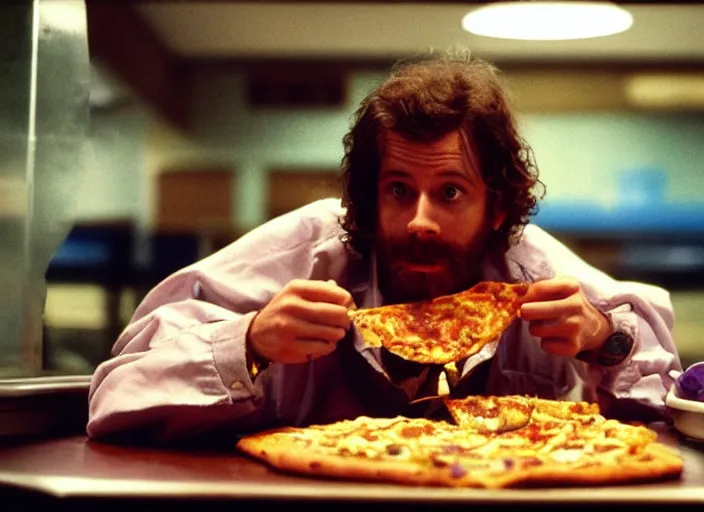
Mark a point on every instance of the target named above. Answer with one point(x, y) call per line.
point(619, 344)
point(616, 348)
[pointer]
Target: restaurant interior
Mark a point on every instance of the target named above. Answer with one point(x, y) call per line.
point(200, 130)
point(204, 120)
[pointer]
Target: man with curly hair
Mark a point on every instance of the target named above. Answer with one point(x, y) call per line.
point(438, 192)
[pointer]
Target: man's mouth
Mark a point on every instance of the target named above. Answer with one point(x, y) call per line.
point(425, 266)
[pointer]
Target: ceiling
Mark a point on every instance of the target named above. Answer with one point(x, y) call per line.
point(663, 32)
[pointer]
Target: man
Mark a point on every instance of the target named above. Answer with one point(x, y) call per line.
point(438, 191)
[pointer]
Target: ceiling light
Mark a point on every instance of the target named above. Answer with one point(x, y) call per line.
point(547, 20)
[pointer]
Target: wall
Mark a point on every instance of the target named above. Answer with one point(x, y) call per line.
point(113, 185)
point(580, 155)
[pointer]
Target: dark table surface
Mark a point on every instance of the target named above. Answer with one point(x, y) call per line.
point(77, 468)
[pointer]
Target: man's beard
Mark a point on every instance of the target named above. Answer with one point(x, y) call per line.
point(461, 267)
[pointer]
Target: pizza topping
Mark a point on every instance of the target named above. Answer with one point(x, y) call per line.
point(457, 471)
point(490, 414)
point(570, 444)
point(396, 449)
point(453, 448)
point(415, 431)
point(531, 461)
point(438, 461)
point(370, 436)
point(566, 455)
point(603, 448)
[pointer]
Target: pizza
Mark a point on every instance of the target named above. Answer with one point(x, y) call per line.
point(501, 414)
point(445, 329)
point(491, 414)
point(546, 443)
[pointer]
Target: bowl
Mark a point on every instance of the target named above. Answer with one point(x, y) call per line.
point(688, 414)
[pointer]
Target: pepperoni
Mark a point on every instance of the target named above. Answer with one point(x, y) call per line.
point(532, 433)
point(415, 431)
point(454, 331)
point(370, 436)
point(531, 461)
point(600, 448)
point(476, 408)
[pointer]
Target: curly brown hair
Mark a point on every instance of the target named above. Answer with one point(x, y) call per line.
point(423, 99)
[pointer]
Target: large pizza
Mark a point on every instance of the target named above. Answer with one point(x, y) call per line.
point(492, 442)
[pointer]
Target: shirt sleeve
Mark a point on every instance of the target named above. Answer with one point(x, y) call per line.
point(179, 368)
point(183, 356)
point(643, 375)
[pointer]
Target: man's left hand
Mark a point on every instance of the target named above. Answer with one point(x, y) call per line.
point(558, 312)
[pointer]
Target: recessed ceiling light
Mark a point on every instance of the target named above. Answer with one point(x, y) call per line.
point(547, 21)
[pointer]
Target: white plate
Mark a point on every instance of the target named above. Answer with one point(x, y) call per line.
point(688, 415)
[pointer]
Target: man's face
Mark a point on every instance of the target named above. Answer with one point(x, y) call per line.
point(433, 218)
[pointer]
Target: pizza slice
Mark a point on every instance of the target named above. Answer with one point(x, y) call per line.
point(445, 329)
point(545, 410)
point(505, 413)
point(490, 414)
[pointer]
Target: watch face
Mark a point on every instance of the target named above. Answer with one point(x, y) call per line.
point(615, 349)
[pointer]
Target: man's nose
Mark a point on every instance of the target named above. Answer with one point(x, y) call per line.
point(424, 222)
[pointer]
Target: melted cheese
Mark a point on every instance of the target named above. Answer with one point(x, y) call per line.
point(566, 455)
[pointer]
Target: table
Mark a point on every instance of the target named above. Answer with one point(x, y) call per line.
point(74, 470)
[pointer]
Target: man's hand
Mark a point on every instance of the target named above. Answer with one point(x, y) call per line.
point(304, 321)
point(559, 313)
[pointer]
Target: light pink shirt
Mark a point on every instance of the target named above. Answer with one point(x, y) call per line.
point(179, 367)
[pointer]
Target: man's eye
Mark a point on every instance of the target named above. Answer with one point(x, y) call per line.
point(450, 192)
point(398, 189)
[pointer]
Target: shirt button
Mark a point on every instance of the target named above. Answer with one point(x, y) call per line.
point(238, 385)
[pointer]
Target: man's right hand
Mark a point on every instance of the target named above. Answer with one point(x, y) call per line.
point(304, 321)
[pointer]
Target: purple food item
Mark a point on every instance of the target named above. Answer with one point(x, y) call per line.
point(690, 384)
point(457, 470)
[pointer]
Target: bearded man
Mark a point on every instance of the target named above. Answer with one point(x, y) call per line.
point(438, 192)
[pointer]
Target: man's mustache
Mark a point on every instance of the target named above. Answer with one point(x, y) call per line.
point(423, 250)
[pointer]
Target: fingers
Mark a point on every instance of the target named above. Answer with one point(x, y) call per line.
point(558, 346)
point(322, 313)
point(552, 289)
point(316, 302)
point(558, 335)
point(550, 329)
point(312, 349)
point(318, 332)
point(302, 351)
point(321, 291)
point(313, 341)
point(550, 309)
